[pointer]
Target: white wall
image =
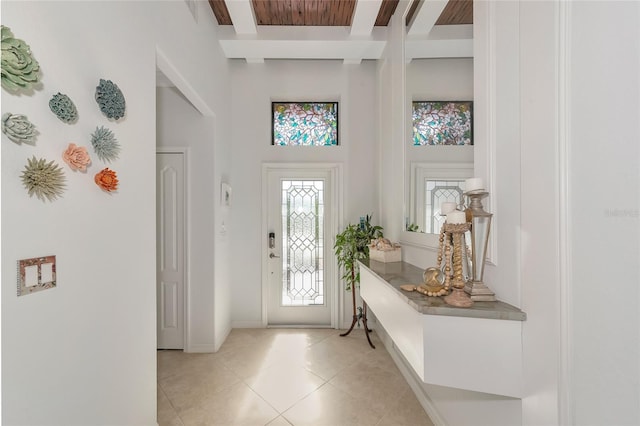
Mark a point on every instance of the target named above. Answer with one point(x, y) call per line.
point(603, 211)
point(539, 209)
point(84, 353)
point(254, 86)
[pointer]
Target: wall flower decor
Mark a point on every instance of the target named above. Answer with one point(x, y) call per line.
point(76, 157)
point(62, 106)
point(105, 144)
point(107, 180)
point(43, 179)
point(110, 99)
point(19, 129)
point(20, 70)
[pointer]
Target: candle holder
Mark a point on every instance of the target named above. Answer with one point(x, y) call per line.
point(480, 227)
point(458, 297)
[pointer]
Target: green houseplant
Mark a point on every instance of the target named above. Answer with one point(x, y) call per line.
point(352, 245)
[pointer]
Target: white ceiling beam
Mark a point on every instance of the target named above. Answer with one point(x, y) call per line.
point(444, 41)
point(425, 17)
point(364, 17)
point(241, 13)
point(292, 42)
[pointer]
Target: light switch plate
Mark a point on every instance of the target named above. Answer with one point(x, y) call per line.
point(36, 274)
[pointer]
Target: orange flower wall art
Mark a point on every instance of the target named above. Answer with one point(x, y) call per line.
point(107, 180)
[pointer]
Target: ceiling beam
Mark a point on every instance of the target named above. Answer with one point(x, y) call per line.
point(444, 41)
point(290, 42)
point(364, 17)
point(241, 12)
point(426, 16)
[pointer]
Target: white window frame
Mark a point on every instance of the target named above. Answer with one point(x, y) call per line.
point(420, 172)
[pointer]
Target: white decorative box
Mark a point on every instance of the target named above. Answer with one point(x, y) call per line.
point(383, 250)
point(387, 255)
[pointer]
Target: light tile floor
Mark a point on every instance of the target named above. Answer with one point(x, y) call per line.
point(281, 377)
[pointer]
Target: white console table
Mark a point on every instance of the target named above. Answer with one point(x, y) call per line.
point(477, 348)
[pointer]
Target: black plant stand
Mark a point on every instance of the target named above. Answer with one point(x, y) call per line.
point(355, 315)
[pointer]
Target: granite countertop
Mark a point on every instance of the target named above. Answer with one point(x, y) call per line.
point(398, 273)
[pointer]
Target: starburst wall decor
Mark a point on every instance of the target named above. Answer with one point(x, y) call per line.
point(105, 144)
point(43, 179)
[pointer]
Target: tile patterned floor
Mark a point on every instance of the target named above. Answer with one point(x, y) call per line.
point(284, 377)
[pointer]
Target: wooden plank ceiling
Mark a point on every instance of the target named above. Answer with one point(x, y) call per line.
point(335, 12)
point(304, 12)
point(456, 12)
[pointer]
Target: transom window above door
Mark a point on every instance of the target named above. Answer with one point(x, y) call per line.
point(304, 123)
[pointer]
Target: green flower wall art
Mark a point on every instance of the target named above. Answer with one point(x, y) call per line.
point(64, 108)
point(110, 99)
point(19, 129)
point(20, 70)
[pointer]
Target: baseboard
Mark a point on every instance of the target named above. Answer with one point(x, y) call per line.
point(220, 342)
point(300, 326)
point(407, 372)
point(247, 324)
point(201, 348)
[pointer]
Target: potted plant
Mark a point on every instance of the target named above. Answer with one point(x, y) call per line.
point(352, 245)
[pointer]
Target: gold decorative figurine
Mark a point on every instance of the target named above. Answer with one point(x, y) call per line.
point(458, 297)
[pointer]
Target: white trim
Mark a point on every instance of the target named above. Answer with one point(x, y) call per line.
point(484, 98)
point(492, 251)
point(336, 175)
point(565, 263)
point(412, 379)
point(201, 349)
point(175, 76)
point(220, 341)
point(418, 172)
point(302, 327)
point(184, 151)
point(247, 324)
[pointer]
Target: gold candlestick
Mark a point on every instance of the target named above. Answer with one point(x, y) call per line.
point(458, 297)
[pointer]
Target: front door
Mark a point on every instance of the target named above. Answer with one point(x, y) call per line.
point(298, 220)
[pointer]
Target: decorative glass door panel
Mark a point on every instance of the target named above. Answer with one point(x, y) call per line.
point(303, 242)
point(298, 221)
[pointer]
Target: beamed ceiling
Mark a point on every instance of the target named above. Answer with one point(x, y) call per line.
point(306, 29)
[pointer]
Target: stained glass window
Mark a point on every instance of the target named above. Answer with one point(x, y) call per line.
point(305, 123)
point(442, 123)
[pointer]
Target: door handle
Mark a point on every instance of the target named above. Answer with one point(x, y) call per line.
point(273, 256)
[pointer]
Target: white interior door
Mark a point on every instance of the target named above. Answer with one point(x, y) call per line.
point(170, 208)
point(300, 288)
